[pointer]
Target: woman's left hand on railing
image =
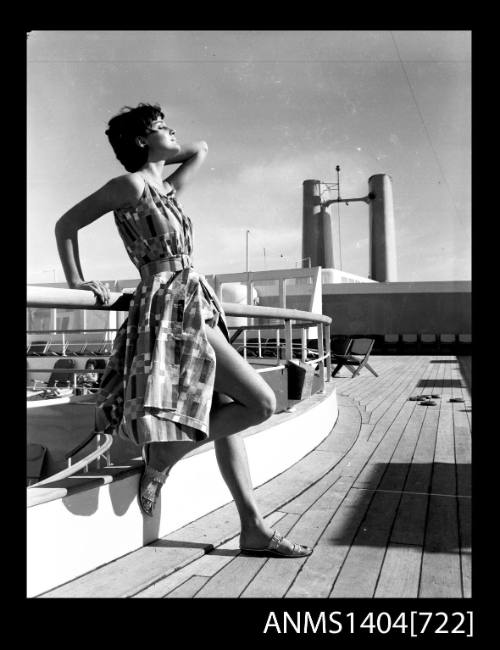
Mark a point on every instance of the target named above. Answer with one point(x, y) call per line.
point(97, 287)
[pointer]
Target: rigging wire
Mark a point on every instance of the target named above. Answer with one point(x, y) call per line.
point(427, 131)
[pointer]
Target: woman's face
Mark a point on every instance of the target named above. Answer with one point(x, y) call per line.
point(161, 140)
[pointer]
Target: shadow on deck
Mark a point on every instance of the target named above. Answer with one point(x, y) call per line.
point(413, 515)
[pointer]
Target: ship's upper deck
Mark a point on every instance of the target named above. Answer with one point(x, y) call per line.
point(385, 500)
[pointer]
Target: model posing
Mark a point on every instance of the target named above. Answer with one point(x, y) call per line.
point(173, 380)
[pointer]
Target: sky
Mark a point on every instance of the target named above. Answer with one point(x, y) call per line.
point(276, 108)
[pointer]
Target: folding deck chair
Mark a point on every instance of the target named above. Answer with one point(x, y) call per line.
point(37, 348)
point(100, 364)
point(356, 354)
point(62, 378)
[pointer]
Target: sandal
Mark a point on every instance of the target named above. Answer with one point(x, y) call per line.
point(277, 547)
point(150, 485)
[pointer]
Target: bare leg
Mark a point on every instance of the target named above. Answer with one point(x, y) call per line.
point(233, 464)
point(255, 402)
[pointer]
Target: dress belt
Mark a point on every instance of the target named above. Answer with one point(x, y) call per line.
point(176, 263)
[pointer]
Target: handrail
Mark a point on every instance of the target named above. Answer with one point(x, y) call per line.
point(60, 330)
point(68, 370)
point(76, 298)
point(84, 462)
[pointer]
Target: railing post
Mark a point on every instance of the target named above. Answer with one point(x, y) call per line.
point(282, 293)
point(321, 352)
point(303, 345)
point(288, 339)
point(106, 455)
point(53, 318)
point(259, 343)
point(249, 289)
point(329, 352)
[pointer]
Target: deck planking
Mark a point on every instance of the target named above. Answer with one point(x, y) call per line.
point(400, 572)
point(384, 500)
point(206, 566)
point(233, 579)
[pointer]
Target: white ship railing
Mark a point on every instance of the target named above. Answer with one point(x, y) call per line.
point(49, 297)
point(104, 442)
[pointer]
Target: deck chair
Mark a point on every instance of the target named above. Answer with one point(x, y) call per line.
point(428, 343)
point(100, 364)
point(340, 344)
point(61, 378)
point(56, 347)
point(94, 349)
point(107, 348)
point(75, 344)
point(37, 348)
point(391, 343)
point(409, 343)
point(447, 343)
point(357, 354)
point(87, 387)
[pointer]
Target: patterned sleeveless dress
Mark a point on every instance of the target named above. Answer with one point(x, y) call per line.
point(158, 385)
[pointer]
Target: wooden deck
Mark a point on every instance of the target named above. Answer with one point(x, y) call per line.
point(385, 500)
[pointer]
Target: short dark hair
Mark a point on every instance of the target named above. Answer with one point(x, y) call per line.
point(124, 128)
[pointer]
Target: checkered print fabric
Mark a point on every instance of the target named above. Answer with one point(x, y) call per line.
point(158, 384)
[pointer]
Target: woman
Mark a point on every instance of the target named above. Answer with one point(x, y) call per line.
point(173, 381)
point(89, 379)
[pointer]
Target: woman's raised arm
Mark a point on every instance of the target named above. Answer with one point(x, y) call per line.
point(192, 157)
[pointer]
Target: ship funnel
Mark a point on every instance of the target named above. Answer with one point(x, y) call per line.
point(382, 230)
point(317, 229)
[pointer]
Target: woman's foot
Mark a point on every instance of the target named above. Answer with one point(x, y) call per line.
point(152, 480)
point(276, 546)
point(256, 535)
point(149, 489)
